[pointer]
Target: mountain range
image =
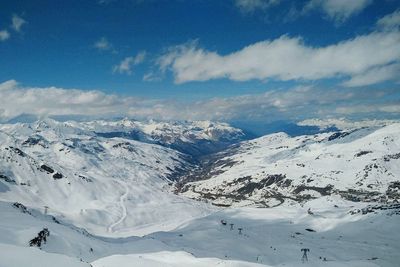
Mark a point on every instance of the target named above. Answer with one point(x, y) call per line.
point(156, 191)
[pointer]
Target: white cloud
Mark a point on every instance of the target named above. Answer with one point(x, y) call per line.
point(390, 22)
point(8, 85)
point(103, 44)
point(125, 66)
point(375, 75)
point(17, 100)
point(338, 10)
point(285, 58)
point(297, 103)
point(253, 5)
point(4, 35)
point(17, 22)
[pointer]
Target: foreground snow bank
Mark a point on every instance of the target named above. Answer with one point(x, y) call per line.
point(166, 259)
point(13, 256)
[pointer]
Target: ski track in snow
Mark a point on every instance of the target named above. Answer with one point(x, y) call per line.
point(123, 207)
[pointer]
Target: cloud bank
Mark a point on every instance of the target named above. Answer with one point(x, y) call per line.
point(297, 104)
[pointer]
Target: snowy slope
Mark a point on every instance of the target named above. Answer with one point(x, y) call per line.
point(107, 197)
point(336, 231)
point(109, 186)
point(361, 164)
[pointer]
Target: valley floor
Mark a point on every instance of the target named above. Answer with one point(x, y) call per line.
point(336, 232)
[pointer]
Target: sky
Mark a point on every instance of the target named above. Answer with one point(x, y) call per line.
point(231, 60)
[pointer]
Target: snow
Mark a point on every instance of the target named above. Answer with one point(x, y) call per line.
point(270, 237)
point(115, 205)
point(10, 256)
point(166, 259)
point(355, 161)
point(109, 186)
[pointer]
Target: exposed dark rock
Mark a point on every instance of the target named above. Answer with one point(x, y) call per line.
point(57, 176)
point(394, 209)
point(126, 146)
point(7, 179)
point(251, 186)
point(40, 238)
point(35, 140)
point(392, 156)
point(17, 151)
point(46, 168)
point(55, 220)
point(362, 153)
point(324, 191)
point(393, 191)
point(21, 207)
point(85, 178)
point(360, 195)
point(338, 135)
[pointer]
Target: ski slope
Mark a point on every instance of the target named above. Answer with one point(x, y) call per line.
point(270, 237)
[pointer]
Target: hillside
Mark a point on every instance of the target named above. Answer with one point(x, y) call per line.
point(358, 165)
point(109, 186)
point(117, 193)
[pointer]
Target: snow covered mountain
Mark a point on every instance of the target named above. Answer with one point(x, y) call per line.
point(359, 165)
point(108, 186)
point(126, 193)
point(194, 138)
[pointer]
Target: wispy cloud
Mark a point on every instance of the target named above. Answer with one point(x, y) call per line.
point(104, 45)
point(390, 22)
point(126, 65)
point(297, 103)
point(249, 6)
point(375, 75)
point(4, 35)
point(104, 2)
point(17, 22)
point(338, 10)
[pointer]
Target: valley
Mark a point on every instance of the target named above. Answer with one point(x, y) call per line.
point(130, 193)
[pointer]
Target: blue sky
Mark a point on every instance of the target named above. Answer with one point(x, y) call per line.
point(182, 54)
